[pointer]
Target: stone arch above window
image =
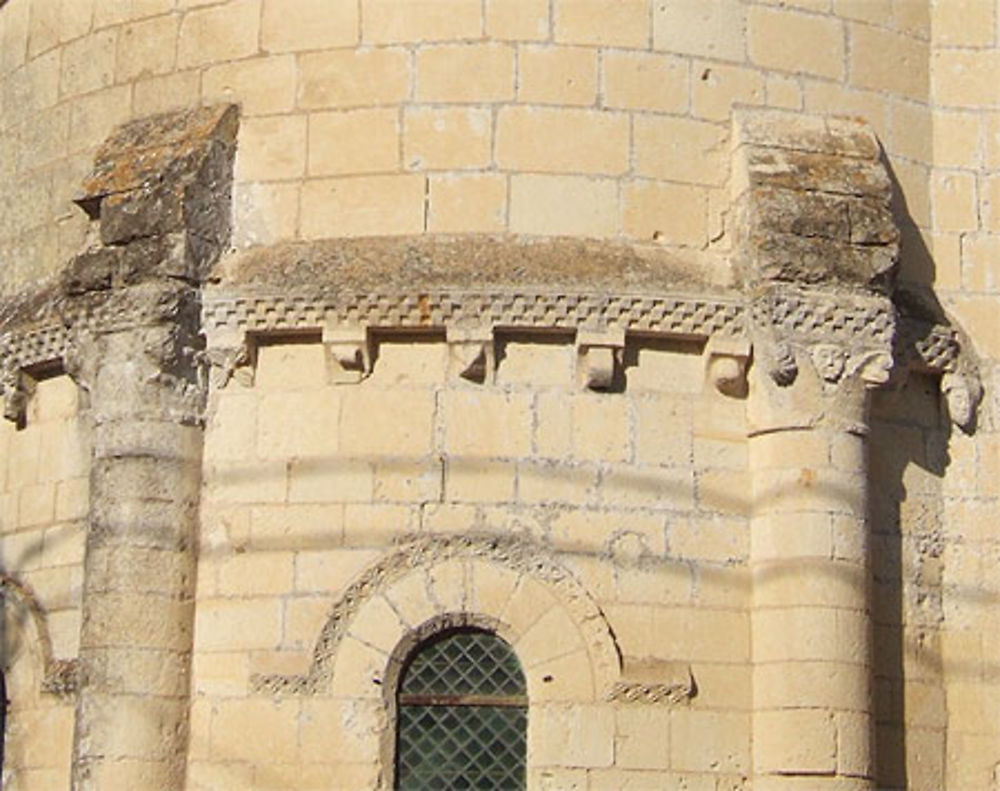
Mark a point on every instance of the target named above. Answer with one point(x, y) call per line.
point(507, 585)
point(28, 659)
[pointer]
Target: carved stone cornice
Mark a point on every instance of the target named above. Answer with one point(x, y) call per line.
point(675, 315)
point(230, 320)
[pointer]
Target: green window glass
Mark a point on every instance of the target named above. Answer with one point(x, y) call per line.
point(463, 715)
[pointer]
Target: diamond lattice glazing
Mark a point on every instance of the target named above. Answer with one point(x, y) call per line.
point(455, 744)
point(464, 663)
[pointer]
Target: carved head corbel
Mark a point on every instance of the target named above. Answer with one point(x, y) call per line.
point(777, 357)
point(830, 361)
point(962, 392)
point(874, 367)
point(18, 388)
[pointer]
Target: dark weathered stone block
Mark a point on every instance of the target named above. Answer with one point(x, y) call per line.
point(807, 171)
point(162, 176)
point(813, 200)
point(141, 213)
point(800, 214)
point(872, 223)
point(90, 271)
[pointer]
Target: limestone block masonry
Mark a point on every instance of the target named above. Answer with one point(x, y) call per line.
point(424, 350)
point(656, 339)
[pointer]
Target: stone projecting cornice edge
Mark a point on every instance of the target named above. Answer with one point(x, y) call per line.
point(925, 345)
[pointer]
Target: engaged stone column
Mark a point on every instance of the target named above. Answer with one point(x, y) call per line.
point(160, 200)
point(816, 247)
point(810, 620)
point(139, 576)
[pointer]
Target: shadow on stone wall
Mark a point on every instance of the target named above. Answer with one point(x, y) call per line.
point(908, 458)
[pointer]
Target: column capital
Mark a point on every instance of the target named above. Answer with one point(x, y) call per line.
point(816, 356)
point(816, 248)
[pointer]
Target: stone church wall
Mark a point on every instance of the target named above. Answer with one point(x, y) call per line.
point(43, 528)
point(330, 456)
point(578, 117)
point(641, 494)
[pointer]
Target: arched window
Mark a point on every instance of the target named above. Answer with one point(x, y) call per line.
point(463, 714)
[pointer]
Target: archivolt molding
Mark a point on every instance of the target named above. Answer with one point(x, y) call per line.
point(517, 555)
point(59, 676)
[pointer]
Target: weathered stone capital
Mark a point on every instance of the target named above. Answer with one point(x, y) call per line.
point(816, 355)
point(842, 334)
point(816, 249)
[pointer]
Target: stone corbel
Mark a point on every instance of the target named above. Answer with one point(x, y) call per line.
point(944, 349)
point(234, 362)
point(962, 392)
point(599, 357)
point(782, 365)
point(18, 387)
point(962, 384)
point(775, 356)
point(348, 352)
point(726, 365)
point(834, 363)
point(472, 354)
point(874, 367)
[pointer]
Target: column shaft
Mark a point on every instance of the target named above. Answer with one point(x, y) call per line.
point(136, 633)
point(810, 620)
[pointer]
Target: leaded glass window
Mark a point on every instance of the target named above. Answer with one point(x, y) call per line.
point(463, 715)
